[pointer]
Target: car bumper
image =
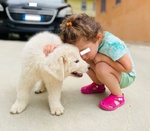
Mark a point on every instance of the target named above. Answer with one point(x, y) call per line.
point(7, 26)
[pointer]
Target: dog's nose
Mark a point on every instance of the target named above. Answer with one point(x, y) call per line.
point(89, 67)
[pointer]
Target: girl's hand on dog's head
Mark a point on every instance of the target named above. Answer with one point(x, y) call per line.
point(49, 48)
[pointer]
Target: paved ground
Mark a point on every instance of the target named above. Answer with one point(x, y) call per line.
point(81, 111)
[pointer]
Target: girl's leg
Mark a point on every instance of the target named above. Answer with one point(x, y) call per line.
point(93, 77)
point(111, 78)
point(92, 74)
point(96, 86)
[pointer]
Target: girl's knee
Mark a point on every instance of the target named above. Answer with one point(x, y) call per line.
point(101, 67)
point(103, 70)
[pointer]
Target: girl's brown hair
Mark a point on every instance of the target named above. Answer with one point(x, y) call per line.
point(79, 25)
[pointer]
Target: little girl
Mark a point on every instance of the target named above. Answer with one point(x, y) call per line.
point(110, 60)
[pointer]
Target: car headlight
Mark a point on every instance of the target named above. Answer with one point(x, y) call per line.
point(1, 8)
point(65, 12)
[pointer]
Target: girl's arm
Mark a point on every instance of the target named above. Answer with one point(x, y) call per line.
point(123, 64)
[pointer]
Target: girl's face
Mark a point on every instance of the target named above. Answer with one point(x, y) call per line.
point(83, 44)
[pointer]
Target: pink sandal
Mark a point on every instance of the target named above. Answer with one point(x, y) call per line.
point(112, 102)
point(93, 88)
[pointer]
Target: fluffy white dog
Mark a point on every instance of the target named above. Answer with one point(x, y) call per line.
point(51, 70)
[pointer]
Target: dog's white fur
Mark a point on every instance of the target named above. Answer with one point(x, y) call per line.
point(64, 61)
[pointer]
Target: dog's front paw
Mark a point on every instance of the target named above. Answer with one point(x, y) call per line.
point(17, 108)
point(57, 110)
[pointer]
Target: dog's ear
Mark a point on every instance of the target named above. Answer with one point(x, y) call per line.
point(56, 68)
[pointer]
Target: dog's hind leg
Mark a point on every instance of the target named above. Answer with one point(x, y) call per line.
point(26, 84)
point(40, 88)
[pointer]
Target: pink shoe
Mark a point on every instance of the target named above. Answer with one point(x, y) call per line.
point(112, 102)
point(93, 88)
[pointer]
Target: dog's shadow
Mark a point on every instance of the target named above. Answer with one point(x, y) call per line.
point(71, 99)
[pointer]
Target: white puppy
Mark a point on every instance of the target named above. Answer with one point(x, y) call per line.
point(64, 61)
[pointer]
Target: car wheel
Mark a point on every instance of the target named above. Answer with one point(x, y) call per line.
point(23, 37)
point(4, 36)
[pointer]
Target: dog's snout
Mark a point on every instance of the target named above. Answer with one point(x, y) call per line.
point(89, 67)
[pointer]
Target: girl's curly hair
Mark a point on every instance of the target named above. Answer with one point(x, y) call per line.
point(79, 25)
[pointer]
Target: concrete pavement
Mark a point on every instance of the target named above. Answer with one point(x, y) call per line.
point(81, 111)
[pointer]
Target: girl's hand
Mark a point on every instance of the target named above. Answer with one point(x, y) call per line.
point(49, 48)
point(98, 58)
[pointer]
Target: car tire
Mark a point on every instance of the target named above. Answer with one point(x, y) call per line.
point(23, 37)
point(4, 36)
